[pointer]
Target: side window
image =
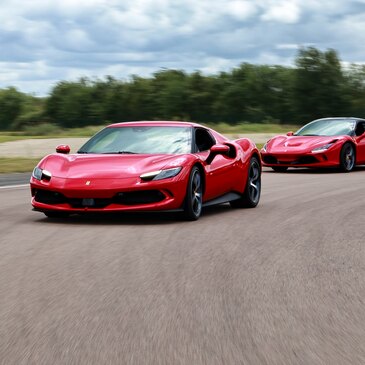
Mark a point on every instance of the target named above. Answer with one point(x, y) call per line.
point(360, 128)
point(203, 140)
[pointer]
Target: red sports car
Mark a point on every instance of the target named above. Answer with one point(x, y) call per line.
point(148, 166)
point(337, 142)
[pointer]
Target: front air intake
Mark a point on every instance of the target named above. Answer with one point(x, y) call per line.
point(139, 197)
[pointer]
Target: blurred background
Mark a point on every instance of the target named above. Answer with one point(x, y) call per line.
point(239, 66)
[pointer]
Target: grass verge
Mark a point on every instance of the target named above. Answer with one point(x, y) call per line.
point(49, 133)
point(243, 128)
point(17, 164)
point(224, 128)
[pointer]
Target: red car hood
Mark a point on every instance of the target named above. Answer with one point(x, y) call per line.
point(108, 166)
point(298, 143)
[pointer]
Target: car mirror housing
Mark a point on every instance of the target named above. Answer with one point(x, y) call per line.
point(63, 148)
point(217, 149)
point(290, 134)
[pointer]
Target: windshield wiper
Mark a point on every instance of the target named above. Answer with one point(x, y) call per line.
point(82, 151)
point(308, 135)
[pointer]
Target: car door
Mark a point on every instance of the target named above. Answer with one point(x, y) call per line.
point(360, 141)
point(219, 176)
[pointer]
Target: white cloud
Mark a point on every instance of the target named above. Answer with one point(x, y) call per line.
point(287, 46)
point(283, 11)
point(50, 40)
point(241, 10)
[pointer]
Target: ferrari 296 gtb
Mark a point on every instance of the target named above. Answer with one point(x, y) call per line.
point(148, 166)
point(327, 142)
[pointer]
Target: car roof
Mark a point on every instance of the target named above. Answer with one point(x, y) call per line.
point(161, 123)
point(339, 118)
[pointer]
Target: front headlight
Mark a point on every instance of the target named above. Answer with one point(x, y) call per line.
point(37, 173)
point(264, 147)
point(41, 174)
point(161, 174)
point(323, 148)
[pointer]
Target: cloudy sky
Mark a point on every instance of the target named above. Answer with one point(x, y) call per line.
point(45, 41)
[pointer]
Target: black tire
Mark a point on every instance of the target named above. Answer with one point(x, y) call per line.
point(194, 195)
point(279, 168)
point(56, 214)
point(347, 157)
point(251, 196)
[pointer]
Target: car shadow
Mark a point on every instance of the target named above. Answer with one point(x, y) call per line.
point(318, 171)
point(135, 218)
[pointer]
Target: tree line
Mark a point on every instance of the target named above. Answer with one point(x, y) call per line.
point(317, 86)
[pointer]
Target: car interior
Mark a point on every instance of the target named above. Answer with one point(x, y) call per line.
point(360, 129)
point(203, 140)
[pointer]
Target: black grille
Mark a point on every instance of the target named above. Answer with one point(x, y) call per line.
point(89, 203)
point(304, 160)
point(270, 159)
point(49, 197)
point(126, 198)
point(139, 197)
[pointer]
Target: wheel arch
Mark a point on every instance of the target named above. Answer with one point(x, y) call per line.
point(353, 144)
point(202, 172)
point(258, 156)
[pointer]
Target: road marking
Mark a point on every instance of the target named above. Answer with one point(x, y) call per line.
point(13, 186)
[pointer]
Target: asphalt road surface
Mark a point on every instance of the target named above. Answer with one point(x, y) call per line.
point(280, 284)
point(20, 178)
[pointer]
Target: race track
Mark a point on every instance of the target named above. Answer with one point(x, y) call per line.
point(280, 284)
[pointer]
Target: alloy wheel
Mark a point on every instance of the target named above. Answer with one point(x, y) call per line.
point(196, 196)
point(254, 181)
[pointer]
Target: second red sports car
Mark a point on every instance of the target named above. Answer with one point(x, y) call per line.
point(337, 142)
point(148, 166)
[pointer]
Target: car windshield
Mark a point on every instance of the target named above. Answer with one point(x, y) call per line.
point(327, 127)
point(140, 139)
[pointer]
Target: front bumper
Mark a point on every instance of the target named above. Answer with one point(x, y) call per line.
point(107, 195)
point(322, 159)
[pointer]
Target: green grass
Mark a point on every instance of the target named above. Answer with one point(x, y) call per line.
point(39, 133)
point(17, 164)
point(10, 138)
point(54, 132)
point(242, 128)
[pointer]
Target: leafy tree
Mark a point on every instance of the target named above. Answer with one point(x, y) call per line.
point(355, 89)
point(75, 104)
point(115, 101)
point(169, 88)
point(32, 113)
point(317, 87)
point(201, 94)
point(319, 84)
point(140, 100)
point(11, 106)
point(228, 105)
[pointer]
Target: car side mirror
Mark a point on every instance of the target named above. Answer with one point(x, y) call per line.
point(217, 149)
point(63, 148)
point(290, 134)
